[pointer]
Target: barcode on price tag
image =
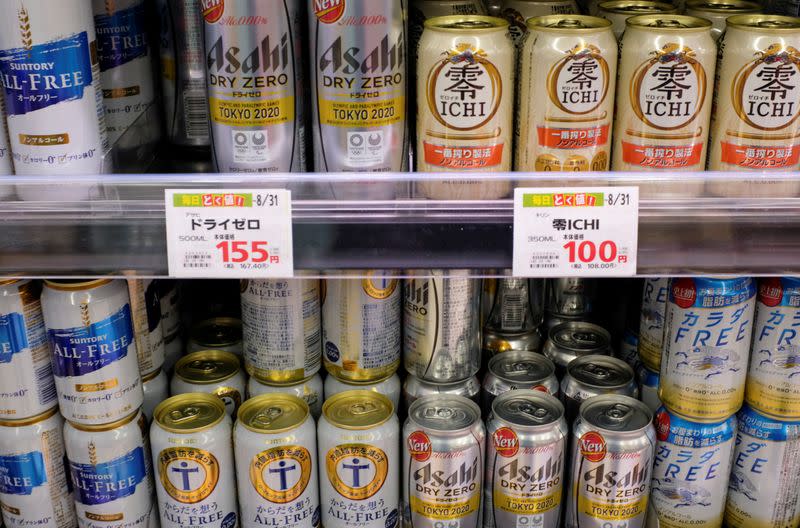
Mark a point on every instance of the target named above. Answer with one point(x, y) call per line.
point(572, 231)
point(229, 233)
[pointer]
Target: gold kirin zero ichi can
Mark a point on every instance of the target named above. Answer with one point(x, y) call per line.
point(518, 12)
point(718, 11)
point(566, 100)
point(619, 11)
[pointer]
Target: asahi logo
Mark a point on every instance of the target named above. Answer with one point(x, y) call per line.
point(519, 471)
point(419, 446)
point(593, 446)
point(433, 476)
point(212, 10)
point(281, 474)
point(329, 11)
point(505, 442)
point(270, 55)
point(578, 83)
point(766, 91)
point(417, 296)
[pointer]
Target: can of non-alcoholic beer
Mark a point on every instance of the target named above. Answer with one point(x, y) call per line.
point(707, 338)
point(514, 317)
point(6, 159)
point(765, 473)
point(651, 322)
point(173, 350)
point(518, 12)
point(361, 328)
point(525, 459)
point(214, 372)
point(309, 390)
point(613, 445)
point(718, 11)
point(358, 436)
point(155, 387)
point(422, 10)
point(93, 352)
point(415, 388)
point(443, 463)
point(441, 330)
point(193, 458)
point(465, 82)
point(690, 474)
point(276, 462)
point(146, 315)
point(26, 376)
point(256, 85)
point(517, 370)
point(568, 341)
point(112, 473)
point(590, 376)
point(217, 333)
point(34, 488)
point(619, 11)
point(629, 349)
point(571, 297)
point(648, 388)
point(389, 386)
point(281, 326)
point(169, 293)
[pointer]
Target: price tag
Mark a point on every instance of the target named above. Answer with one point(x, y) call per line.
point(573, 231)
point(229, 233)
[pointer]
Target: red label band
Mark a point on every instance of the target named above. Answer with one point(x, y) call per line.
point(760, 157)
point(572, 138)
point(669, 157)
point(463, 157)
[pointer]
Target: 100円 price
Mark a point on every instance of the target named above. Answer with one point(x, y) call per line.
point(588, 252)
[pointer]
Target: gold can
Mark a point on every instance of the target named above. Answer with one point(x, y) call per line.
point(213, 372)
point(757, 99)
point(619, 11)
point(465, 106)
point(217, 333)
point(718, 11)
point(566, 94)
point(518, 12)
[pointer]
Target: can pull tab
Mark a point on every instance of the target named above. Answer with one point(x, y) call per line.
point(667, 23)
point(519, 366)
point(204, 366)
point(536, 414)
point(618, 412)
point(360, 409)
point(584, 338)
point(266, 417)
point(596, 371)
point(569, 23)
point(184, 415)
point(772, 24)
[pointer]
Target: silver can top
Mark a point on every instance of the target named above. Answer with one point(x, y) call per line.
point(604, 372)
point(580, 337)
point(445, 413)
point(528, 408)
point(614, 412)
point(521, 367)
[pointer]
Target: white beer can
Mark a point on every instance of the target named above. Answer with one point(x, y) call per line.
point(651, 322)
point(217, 333)
point(309, 390)
point(146, 315)
point(214, 372)
point(169, 293)
point(6, 159)
point(389, 387)
point(156, 389)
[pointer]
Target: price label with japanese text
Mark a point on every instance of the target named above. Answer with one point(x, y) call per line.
point(573, 231)
point(229, 233)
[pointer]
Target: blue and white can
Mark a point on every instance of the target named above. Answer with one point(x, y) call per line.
point(629, 349)
point(648, 384)
point(651, 321)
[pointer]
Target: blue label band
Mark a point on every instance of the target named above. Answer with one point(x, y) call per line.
point(13, 336)
point(108, 481)
point(20, 474)
point(121, 36)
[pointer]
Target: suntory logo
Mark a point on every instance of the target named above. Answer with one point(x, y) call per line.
point(419, 446)
point(188, 474)
point(578, 83)
point(329, 11)
point(766, 91)
point(356, 471)
point(281, 474)
point(684, 292)
point(770, 291)
point(213, 10)
point(506, 442)
point(593, 446)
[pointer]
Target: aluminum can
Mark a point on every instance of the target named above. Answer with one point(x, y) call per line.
point(256, 85)
point(443, 463)
point(126, 62)
point(648, 388)
point(146, 315)
point(169, 293)
point(112, 473)
point(309, 390)
point(514, 317)
point(569, 341)
point(590, 376)
point(765, 473)
point(613, 445)
point(193, 459)
point(518, 12)
point(422, 10)
point(525, 458)
point(217, 333)
point(441, 330)
point(517, 370)
point(26, 376)
point(358, 436)
point(629, 349)
point(34, 488)
point(707, 338)
point(93, 352)
point(690, 474)
point(415, 388)
point(6, 160)
point(651, 322)
point(571, 297)
point(281, 324)
point(619, 11)
point(173, 350)
point(156, 389)
point(276, 462)
point(361, 328)
point(718, 11)
point(51, 75)
point(389, 387)
point(465, 82)
point(214, 372)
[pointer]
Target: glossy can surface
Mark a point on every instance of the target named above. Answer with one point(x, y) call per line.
point(156, 389)
point(518, 12)
point(592, 375)
point(309, 390)
point(571, 297)
point(415, 388)
point(146, 315)
point(517, 370)
point(651, 323)
point(389, 387)
point(217, 333)
point(619, 11)
point(648, 388)
point(718, 11)
point(568, 341)
point(515, 313)
point(213, 372)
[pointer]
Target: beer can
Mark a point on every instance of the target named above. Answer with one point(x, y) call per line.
point(146, 315)
point(690, 473)
point(193, 456)
point(707, 339)
point(169, 293)
point(309, 390)
point(415, 388)
point(217, 333)
point(717, 11)
point(361, 326)
point(53, 100)
point(514, 318)
point(93, 352)
point(517, 370)
point(619, 11)
point(590, 376)
point(6, 158)
point(34, 488)
point(443, 463)
point(441, 330)
point(569, 341)
point(112, 472)
point(518, 12)
point(613, 446)
point(281, 325)
point(173, 350)
point(571, 297)
point(156, 389)
point(762, 491)
point(648, 388)
point(422, 10)
point(651, 323)
point(525, 459)
point(628, 350)
point(358, 437)
point(465, 82)
point(388, 386)
point(213, 372)
point(276, 462)
point(256, 85)
point(26, 376)
point(663, 103)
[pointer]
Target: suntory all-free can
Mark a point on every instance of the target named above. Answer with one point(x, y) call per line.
point(706, 346)
point(518, 12)
point(465, 82)
point(281, 326)
point(590, 376)
point(651, 322)
point(361, 326)
point(690, 474)
point(718, 11)
point(256, 85)
point(155, 387)
point(309, 390)
point(112, 473)
point(444, 457)
point(415, 388)
point(648, 387)
point(217, 333)
point(193, 461)
point(568, 341)
point(525, 458)
point(358, 439)
point(275, 443)
point(517, 370)
point(212, 371)
point(613, 446)
point(619, 11)
point(26, 375)
point(514, 316)
point(34, 488)
point(765, 473)
point(93, 350)
point(389, 386)
point(146, 315)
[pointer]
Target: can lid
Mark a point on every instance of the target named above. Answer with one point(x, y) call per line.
point(285, 385)
point(471, 23)
point(358, 409)
point(601, 371)
point(75, 284)
point(444, 412)
point(207, 366)
point(190, 412)
point(357, 384)
point(671, 23)
point(764, 22)
point(30, 421)
point(626, 7)
point(723, 6)
point(580, 336)
point(151, 376)
point(527, 408)
point(273, 413)
point(614, 412)
point(570, 23)
point(521, 367)
point(105, 427)
point(217, 332)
